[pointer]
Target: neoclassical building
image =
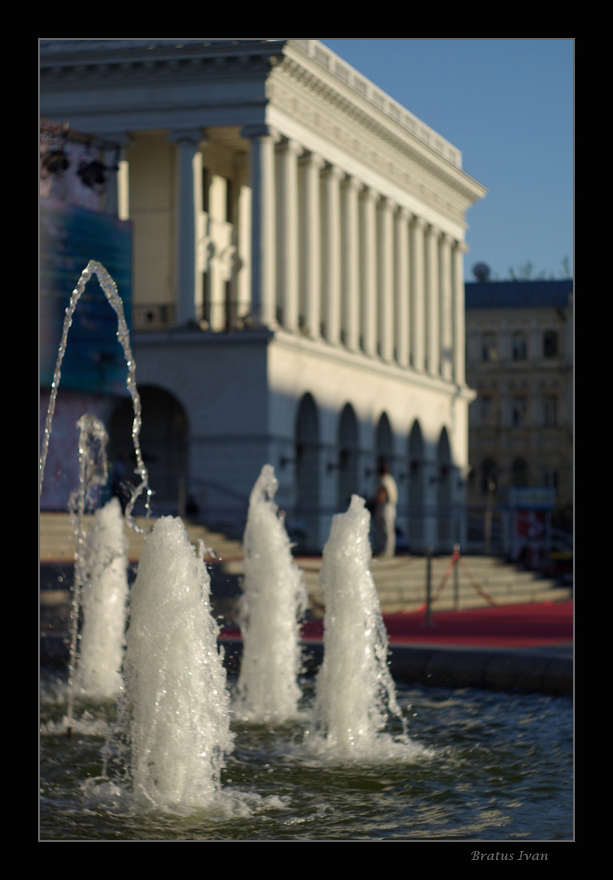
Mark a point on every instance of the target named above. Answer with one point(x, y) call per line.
point(520, 345)
point(297, 275)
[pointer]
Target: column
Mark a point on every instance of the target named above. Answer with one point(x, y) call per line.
point(385, 265)
point(350, 320)
point(189, 169)
point(331, 264)
point(459, 309)
point(263, 244)
point(402, 317)
point(368, 272)
point(117, 196)
point(310, 276)
point(417, 293)
point(446, 307)
point(432, 301)
point(243, 233)
point(287, 206)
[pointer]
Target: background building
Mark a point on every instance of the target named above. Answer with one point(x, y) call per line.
point(297, 292)
point(520, 362)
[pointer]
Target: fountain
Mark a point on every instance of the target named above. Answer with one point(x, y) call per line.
point(355, 693)
point(104, 597)
point(273, 602)
point(174, 714)
point(177, 756)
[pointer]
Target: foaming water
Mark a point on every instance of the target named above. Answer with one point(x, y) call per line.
point(173, 729)
point(355, 693)
point(104, 598)
point(273, 602)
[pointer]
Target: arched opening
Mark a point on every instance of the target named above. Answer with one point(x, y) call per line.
point(307, 469)
point(164, 444)
point(384, 442)
point(416, 489)
point(444, 492)
point(348, 455)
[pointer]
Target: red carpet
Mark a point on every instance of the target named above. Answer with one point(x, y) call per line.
point(505, 626)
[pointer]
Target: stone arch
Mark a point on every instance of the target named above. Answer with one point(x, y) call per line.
point(164, 440)
point(348, 457)
point(307, 450)
point(384, 441)
point(444, 494)
point(416, 488)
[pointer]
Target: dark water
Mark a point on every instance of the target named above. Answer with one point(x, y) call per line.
point(496, 767)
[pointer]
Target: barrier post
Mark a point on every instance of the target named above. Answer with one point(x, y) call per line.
point(456, 578)
point(428, 585)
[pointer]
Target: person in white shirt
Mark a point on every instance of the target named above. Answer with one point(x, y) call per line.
point(384, 515)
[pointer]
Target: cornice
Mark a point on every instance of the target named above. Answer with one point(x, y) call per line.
point(371, 126)
point(91, 63)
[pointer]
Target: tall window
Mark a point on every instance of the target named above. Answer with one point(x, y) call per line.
point(519, 473)
point(550, 410)
point(550, 344)
point(519, 411)
point(489, 347)
point(519, 346)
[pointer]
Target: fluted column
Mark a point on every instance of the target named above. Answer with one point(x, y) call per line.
point(402, 317)
point(459, 317)
point(310, 276)
point(287, 279)
point(189, 172)
point(368, 272)
point(331, 263)
point(385, 266)
point(417, 294)
point(263, 244)
point(446, 308)
point(351, 270)
point(432, 301)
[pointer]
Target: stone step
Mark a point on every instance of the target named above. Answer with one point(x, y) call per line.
point(400, 582)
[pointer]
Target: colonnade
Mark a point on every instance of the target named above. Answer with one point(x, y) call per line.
point(331, 258)
point(336, 260)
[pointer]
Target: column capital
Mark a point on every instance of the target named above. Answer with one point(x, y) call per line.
point(369, 193)
point(417, 222)
point(352, 183)
point(432, 231)
point(186, 135)
point(385, 203)
point(460, 247)
point(402, 213)
point(334, 171)
point(311, 159)
point(289, 145)
point(260, 131)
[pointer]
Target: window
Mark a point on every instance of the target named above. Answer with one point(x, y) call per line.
point(486, 409)
point(550, 344)
point(519, 473)
point(519, 346)
point(519, 411)
point(551, 478)
point(489, 347)
point(550, 410)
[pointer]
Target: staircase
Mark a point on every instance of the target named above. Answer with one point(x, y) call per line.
point(401, 582)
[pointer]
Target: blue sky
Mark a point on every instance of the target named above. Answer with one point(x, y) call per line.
point(507, 105)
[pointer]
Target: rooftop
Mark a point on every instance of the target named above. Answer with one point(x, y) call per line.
point(518, 294)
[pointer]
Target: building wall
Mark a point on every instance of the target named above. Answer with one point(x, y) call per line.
point(520, 363)
point(298, 249)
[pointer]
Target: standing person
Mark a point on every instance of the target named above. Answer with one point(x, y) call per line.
point(384, 516)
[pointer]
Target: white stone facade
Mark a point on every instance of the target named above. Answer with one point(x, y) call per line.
point(298, 285)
